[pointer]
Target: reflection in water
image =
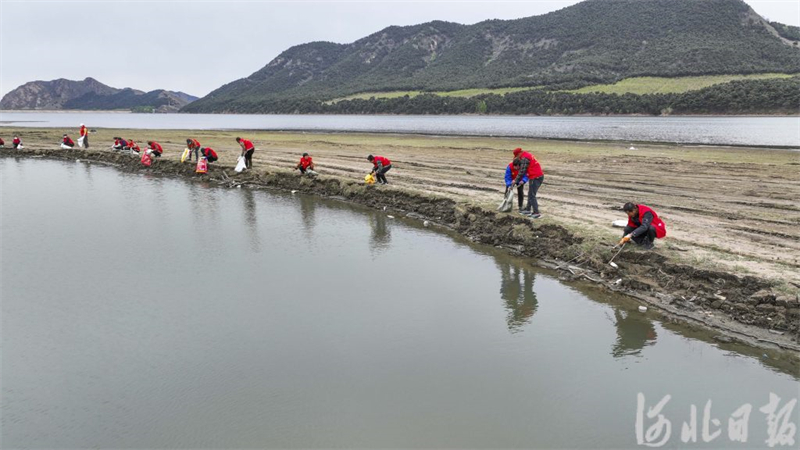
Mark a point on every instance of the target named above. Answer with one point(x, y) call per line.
point(634, 332)
point(308, 205)
point(251, 218)
point(516, 289)
point(381, 236)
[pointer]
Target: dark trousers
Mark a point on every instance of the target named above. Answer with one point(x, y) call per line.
point(196, 152)
point(248, 158)
point(86, 140)
point(644, 238)
point(379, 174)
point(532, 190)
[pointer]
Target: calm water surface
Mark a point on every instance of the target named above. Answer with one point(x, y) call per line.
point(145, 312)
point(763, 131)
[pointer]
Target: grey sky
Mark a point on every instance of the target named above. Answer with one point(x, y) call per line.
point(197, 46)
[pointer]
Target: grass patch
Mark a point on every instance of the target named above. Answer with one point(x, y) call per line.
point(662, 85)
point(459, 93)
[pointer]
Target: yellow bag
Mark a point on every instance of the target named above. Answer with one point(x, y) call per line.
point(369, 179)
point(185, 154)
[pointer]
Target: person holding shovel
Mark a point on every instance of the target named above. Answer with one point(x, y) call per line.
point(644, 226)
point(512, 172)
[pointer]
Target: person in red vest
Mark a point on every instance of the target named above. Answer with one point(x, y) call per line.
point(511, 175)
point(2, 143)
point(644, 226)
point(67, 143)
point(17, 142)
point(529, 166)
point(194, 147)
point(155, 149)
point(209, 154)
point(84, 136)
point(247, 151)
point(306, 163)
point(133, 146)
point(381, 165)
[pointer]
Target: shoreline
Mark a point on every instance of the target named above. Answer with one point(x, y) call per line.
point(742, 308)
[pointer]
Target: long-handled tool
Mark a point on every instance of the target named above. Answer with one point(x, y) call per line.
point(611, 261)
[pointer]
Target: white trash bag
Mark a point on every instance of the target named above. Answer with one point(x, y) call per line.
point(508, 202)
point(80, 141)
point(240, 164)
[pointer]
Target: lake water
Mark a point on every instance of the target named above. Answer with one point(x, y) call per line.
point(147, 312)
point(759, 131)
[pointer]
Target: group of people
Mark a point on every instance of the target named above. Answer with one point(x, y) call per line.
point(83, 141)
point(16, 143)
point(643, 227)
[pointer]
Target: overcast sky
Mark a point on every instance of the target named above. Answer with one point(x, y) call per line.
point(197, 46)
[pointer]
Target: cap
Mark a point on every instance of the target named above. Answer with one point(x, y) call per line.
point(517, 151)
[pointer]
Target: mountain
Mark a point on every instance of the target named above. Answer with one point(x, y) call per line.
point(90, 94)
point(596, 41)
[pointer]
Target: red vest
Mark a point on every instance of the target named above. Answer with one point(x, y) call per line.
point(382, 160)
point(305, 162)
point(157, 147)
point(247, 145)
point(195, 144)
point(210, 152)
point(83, 131)
point(68, 141)
point(661, 229)
point(534, 169)
point(17, 141)
point(514, 171)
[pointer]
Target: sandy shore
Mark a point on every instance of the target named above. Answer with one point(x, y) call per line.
point(731, 212)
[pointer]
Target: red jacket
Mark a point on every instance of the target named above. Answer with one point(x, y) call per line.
point(209, 152)
point(83, 131)
point(2, 142)
point(194, 144)
point(248, 145)
point(17, 141)
point(661, 229)
point(68, 141)
point(534, 168)
point(133, 145)
point(156, 147)
point(305, 162)
point(384, 161)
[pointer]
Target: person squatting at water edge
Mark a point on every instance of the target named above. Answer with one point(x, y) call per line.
point(194, 147)
point(381, 165)
point(644, 226)
point(2, 143)
point(84, 136)
point(67, 143)
point(247, 151)
point(133, 146)
point(209, 154)
point(306, 164)
point(154, 149)
point(120, 144)
point(529, 166)
point(512, 171)
point(17, 143)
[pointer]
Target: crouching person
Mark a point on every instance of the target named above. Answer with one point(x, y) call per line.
point(154, 149)
point(209, 154)
point(512, 171)
point(67, 143)
point(380, 165)
point(644, 226)
point(306, 165)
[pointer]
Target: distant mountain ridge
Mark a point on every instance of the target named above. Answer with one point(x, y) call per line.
point(596, 41)
point(90, 94)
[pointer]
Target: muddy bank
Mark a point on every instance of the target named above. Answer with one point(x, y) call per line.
point(742, 308)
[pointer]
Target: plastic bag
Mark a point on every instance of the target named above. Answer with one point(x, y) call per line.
point(240, 164)
point(508, 202)
point(202, 165)
point(80, 141)
point(185, 155)
point(369, 179)
point(146, 159)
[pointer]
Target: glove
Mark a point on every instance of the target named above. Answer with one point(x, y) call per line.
point(625, 240)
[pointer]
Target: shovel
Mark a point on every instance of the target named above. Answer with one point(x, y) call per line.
point(611, 261)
